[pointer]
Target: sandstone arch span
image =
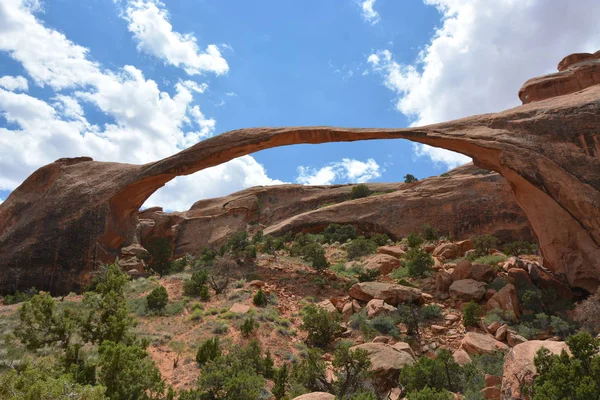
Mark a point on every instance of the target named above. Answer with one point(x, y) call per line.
point(74, 212)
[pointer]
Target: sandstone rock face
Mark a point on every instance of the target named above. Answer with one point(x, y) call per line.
point(479, 343)
point(519, 364)
point(390, 293)
point(386, 363)
point(506, 300)
point(467, 290)
point(71, 214)
point(316, 396)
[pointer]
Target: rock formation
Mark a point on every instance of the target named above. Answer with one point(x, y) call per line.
point(73, 212)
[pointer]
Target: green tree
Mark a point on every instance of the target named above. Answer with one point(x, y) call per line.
point(41, 324)
point(321, 326)
point(414, 240)
point(352, 370)
point(157, 299)
point(260, 299)
point(208, 351)
point(418, 262)
point(359, 191)
point(484, 243)
point(441, 373)
point(472, 313)
point(565, 377)
point(160, 255)
point(248, 326)
point(360, 247)
point(229, 378)
point(106, 316)
point(429, 232)
point(281, 380)
point(269, 365)
point(408, 178)
point(309, 373)
point(128, 372)
point(197, 284)
point(428, 393)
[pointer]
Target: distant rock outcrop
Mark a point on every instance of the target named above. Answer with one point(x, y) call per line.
point(72, 213)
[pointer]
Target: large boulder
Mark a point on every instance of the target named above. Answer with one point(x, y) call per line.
point(479, 343)
point(518, 365)
point(467, 290)
point(462, 270)
point(386, 363)
point(483, 272)
point(391, 293)
point(447, 251)
point(377, 307)
point(316, 396)
point(443, 280)
point(394, 251)
point(505, 300)
point(383, 263)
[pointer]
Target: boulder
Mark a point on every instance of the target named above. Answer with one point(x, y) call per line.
point(546, 280)
point(377, 307)
point(383, 263)
point(493, 327)
point(447, 251)
point(500, 334)
point(386, 363)
point(478, 343)
point(513, 338)
point(461, 357)
point(239, 308)
point(394, 251)
point(327, 305)
point(518, 364)
point(464, 246)
point(491, 393)
point(492, 380)
point(391, 293)
point(467, 290)
point(483, 272)
point(505, 300)
point(347, 311)
point(315, 396)
point(462, 270)
point(443, 280)
point(135, 250)
point(405, 347)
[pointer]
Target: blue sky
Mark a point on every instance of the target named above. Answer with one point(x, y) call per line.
point(137, 80)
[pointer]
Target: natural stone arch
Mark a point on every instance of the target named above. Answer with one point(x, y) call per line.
point(549, 151)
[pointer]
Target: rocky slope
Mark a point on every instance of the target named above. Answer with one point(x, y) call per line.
point(68, 215)
point(465, 202)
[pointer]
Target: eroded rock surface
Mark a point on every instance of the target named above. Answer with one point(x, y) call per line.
point(70, 214)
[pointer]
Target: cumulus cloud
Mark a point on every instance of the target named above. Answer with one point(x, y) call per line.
point(347, 169)
point(147, 123)
point(148, 20)
point(368, 12)
point(482, 53)
point(14, 83)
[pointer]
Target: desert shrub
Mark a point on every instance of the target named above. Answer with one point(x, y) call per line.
point(281, 380)
point(498, 283)
point(194, 286)
point(321, 326)
point(566, 377)
point(314, 253)
point(360, 247)
point(430, 233)
point(258, 237)
point(308, 375)
point(587, 313)
point(428, 393)
point(441, 373)
point(157, 299)
point(403, 281)
point(178, 265)
point(418, 262)
point(20, 297)
point(128, 372)
point(207, 257)
point(385, 325)
point(260, 299)
point(237, 243)
point(492, 259)
point(532, 300)
point(408, 178)
point(484, 243)
point(352, 370)
point(431, 311)
point(248, 326)
point(208, 351)
point(520, 247)
point(472, 312)
point(414, 240)
point(160, 254)
point(339, 233)
point(221, 274)
point(359, 191)
point(408, 314)
point(380, 239)
point(367, 275)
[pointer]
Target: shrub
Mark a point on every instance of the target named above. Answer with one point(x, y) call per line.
point(360, 247)
point(565, 377)
point(409, 316)
point(380, 239)
point(321, 326)
point(498, 283)
point(414, 240)
point(532, 300)
point(471, 314)
point(248, 326)
point(441, 373)
point(408, 178)
point(492, 259)
point(359, 191)
point(430, 233)
point(484, 243)
point(339, 233)
point(352, 369)
point(19, 297)
point(418, 262)
point(520, 247)
point(194, 285)
point(385, 325)
point(367, 275)
point(160, 253)
point(208, 351)
point(221, 275)
point(314, 253)
point(281, 380)
point(260, 299)
point(178, 265)
point(587, 313)
point(428, 393)
point(157, 299)
point(431, 311)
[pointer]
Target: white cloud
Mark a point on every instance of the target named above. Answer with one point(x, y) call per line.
point(237, 174)
point(348, 169)
point(482, 54)
point(149, 22)
point(147, 122)
point(14, 83)
point(368, 13)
